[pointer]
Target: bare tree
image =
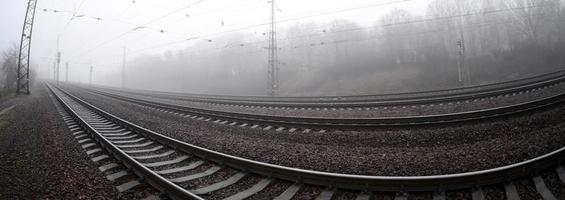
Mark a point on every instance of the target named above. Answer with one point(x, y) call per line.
point(9, 68)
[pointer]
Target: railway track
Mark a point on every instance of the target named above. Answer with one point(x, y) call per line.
point(171, 166)
point(456, 95)
point(308, 124)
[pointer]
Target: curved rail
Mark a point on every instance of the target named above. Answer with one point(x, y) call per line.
point(173, 190)
point(456, 94)
point(319, 122)
point(334, 180)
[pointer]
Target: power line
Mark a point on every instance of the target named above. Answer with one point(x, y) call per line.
point(76, 15)
point(80, 6)
point(323, 43)
point(483, 12)
point(474, 25)
point(142, 26)
point(175, 11)
point(248, 27)
point(304, 17)
point(227, 9)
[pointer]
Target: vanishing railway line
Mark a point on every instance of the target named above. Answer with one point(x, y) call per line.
point(166, 164)
point(308, 124)
point(456, 95)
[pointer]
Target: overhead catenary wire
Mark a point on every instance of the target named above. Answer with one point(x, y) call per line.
point(362, 28)
point(387, 25)
point(111, 20)
point(247, 27)
point(324, 43)
point(227, 9)
point(142, 25)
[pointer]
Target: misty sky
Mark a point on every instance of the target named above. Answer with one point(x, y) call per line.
point(86, 41)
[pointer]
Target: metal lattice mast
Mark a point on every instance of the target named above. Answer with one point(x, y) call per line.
point(25, 49)
point(273, 80)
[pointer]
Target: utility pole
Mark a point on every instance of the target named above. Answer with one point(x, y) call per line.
point(273, 79)
point(463, 73)
point(54, 70)
point(90, 80)
point(22, 83)
point(67, 72)
point(58, 65)
point(463, 70)
point(124, 69)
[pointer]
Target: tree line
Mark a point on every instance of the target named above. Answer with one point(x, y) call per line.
point(456, 43)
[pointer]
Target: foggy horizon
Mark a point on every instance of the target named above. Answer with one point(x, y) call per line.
point(182, 39)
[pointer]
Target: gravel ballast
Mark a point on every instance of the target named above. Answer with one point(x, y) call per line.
point(411, 109)
point(41, 159)
point(394, 152)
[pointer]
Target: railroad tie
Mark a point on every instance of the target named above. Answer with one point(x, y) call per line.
point(154, 156)
point(168, 162)
point(84, 140)
point(191, 166)
point(511, 192)
point(258, 187)
point(135, 145)
point(93, 151)
point(117, 175)
point(85, 146)
point(561, 173)
point(122, 137)
point(128, 141)
point(542, 189)
point(126, 186)
point(327, 194)
point(363, 196)
point(478, 194)
point(116, 134)
point(145, 150)
point(401, 196)
point(220, 185)
point(208, 172)
point(99, 158)
point(80, 136)
point(440, 195)
point(72, 126)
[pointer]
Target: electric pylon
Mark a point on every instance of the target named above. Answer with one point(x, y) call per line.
point(25, 49)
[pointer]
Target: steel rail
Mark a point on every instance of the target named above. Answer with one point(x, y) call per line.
point(174, 191)
point(348, 181)
point(317, 122)
point(388, 102)
point(373, 100)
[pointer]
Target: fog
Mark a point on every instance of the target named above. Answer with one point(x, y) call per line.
point(324, 47)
